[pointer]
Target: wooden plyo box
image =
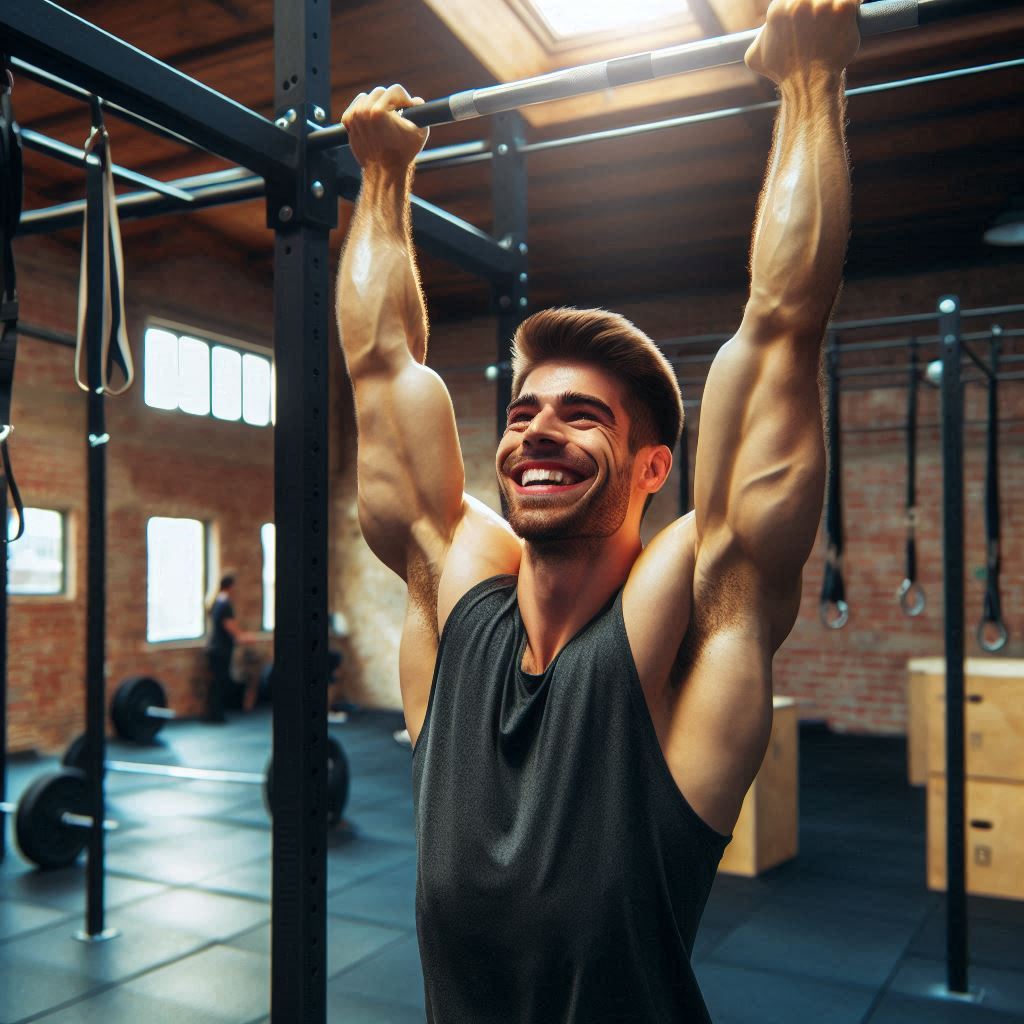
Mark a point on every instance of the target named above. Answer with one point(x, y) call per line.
point(926, 681)
point(993, 729)
point(766, 832)
point(994, 857)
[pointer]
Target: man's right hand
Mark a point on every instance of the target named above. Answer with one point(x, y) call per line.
point(378, 135)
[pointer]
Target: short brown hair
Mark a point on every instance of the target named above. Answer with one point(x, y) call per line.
point(610, 341)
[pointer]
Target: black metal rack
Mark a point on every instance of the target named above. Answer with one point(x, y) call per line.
point(302, 189)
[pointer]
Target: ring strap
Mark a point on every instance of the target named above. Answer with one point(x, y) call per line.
point(910, 586)
point(105, 284)
point(833, 590)
point(10, 217)
point(992, 612)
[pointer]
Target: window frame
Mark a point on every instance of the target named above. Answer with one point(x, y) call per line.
point(65, 591)
point(204, 575)
point(215, 339)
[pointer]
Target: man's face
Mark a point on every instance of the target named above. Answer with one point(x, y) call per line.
point(564, 464)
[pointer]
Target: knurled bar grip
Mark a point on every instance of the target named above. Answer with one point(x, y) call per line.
point(873, 19)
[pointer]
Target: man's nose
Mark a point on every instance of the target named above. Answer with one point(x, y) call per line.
point(545, 427)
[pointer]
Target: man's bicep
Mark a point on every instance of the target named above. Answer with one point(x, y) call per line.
point(760, 470)
point(410, 470)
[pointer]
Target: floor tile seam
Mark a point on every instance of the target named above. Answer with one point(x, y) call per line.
point(890, 917)
point(106, 986)
point(398, 940)
point(727, 933)
point(32, 932)
point(364, 879)
point(191, 884)
point(363, 919)
point(201, 820)
point(818, 873)
point(790, 975)
point(884, 988)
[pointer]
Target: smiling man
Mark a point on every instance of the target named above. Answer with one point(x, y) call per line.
point(587, 714)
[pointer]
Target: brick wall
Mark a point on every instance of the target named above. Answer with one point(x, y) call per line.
point(159, 463)
point(172, 464)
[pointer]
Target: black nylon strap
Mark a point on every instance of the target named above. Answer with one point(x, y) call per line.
point(992, 632)
point(910, 593)
point(833, 590)
point(108, 271)
point(10, 217)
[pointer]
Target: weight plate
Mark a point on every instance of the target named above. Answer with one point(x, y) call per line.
point(128, 710)
point(337, 783)
point(76, 756)
point(43, 838)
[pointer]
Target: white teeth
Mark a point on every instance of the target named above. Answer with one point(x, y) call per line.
point(547, 476)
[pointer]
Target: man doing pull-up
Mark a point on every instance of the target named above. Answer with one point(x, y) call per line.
point(588, 714)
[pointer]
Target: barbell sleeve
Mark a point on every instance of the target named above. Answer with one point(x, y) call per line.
point(873, 19)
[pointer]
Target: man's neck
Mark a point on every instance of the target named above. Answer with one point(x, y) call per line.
point(562, 588)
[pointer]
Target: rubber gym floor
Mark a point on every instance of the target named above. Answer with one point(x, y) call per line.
point(846, 933)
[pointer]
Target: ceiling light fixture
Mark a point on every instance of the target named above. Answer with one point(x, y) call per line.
point(1008, 227)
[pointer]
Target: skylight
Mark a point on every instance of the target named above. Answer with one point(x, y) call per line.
point(568, 18)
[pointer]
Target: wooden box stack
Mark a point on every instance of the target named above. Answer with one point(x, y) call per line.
point(994, 763)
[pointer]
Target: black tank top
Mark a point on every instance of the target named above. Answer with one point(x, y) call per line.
point(561, 874)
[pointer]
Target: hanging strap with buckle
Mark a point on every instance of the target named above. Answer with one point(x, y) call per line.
point(832, 608)
point(10, 217)
point(992, 632)
point(911, 593)
point(103, 285)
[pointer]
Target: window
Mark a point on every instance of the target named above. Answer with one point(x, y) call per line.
point(206, 378)
point(35, 562)
point(176, 579)
point(567, 18)
point(268, 535)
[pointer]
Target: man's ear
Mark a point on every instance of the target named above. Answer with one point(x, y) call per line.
point(655, 466)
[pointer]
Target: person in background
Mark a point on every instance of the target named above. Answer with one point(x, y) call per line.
point(224, 633)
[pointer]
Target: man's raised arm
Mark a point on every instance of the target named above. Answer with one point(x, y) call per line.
point(410, 470)
point(760, 464)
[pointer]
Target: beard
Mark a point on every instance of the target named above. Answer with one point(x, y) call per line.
point(567, 529)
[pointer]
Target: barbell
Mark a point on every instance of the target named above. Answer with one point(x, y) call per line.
point(873, 19)
point(51, 821)
point(77, 757)
point(139, 709)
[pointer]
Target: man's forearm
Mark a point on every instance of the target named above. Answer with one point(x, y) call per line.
point(380, 303)
point(803, 222)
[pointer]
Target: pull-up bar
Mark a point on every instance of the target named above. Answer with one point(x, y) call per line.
point(873, 19)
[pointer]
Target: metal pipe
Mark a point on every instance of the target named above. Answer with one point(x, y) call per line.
point(628, 131)
point(978, 362)
point(994, 310)
point(60, 85)
point(142, 204)
point(873, 19)
point(45, 334)
point(79, 158)
point(952, 411)
point(170, 771)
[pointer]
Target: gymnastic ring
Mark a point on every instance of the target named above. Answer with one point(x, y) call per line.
point(837, 621)
point(5, 432)
point(912, 598)
point(992, 646)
